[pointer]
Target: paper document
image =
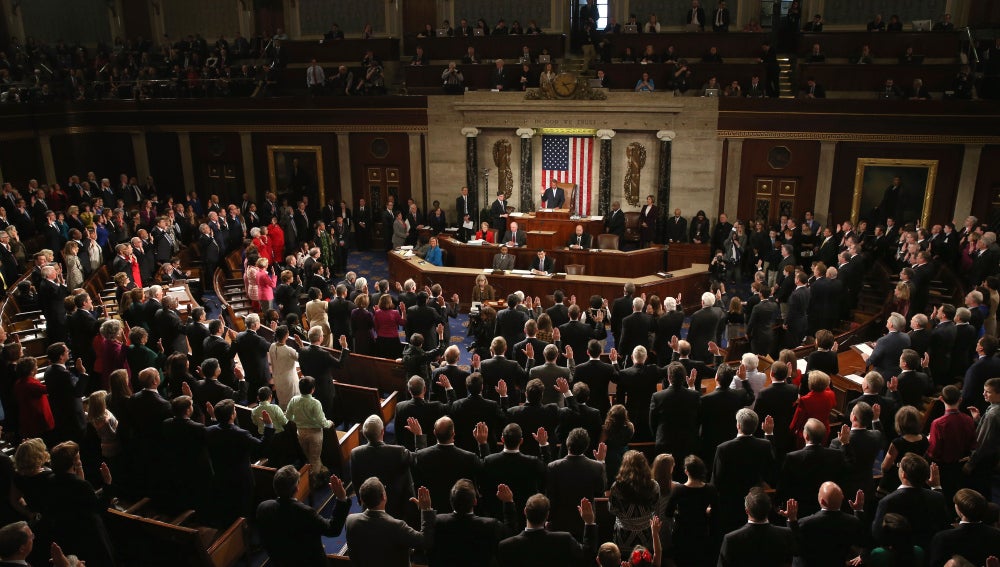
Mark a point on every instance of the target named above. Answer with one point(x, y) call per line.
point(855, 378)
point(800, 364)
point(520, 272)
point(864, 349)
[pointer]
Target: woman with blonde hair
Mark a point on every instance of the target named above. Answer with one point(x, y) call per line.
point(31, 476)
point(633, 498)
point(483, 291)
point(266, 282)
point(74, 269)
point(816, 404)
point(283, 358)
point(106, 425)
point(316, 314)
point(119, 393)
point(911, 439)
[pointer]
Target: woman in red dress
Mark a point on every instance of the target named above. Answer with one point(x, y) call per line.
point(816, 404)
point(35, 415)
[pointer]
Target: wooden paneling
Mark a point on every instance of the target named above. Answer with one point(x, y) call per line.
point(625, 75)
point(501, 46)
point(165, 162)
point(690, 46)
point(801, 166)
point(892, 45)
point(428, 77)
point(349, 50)
point(331, 165)
point(135, 16)
point(416, 13)
point(217, 160)
point(612, 263)
point(937, 78)
point(108, 154)
point(949, 168)
point(987, 186)
point(20, 160)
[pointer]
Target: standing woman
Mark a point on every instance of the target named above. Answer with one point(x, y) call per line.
point(74, 269)
point(647, 220)
point(633, 498)
point(617, 431)
point(400, 231)
point(32, 400)
point(316, 314)
point(692, 509)
point(283, 358)
point(266, 282)
point(363, 326)
point(388, 320)
point(109, 346)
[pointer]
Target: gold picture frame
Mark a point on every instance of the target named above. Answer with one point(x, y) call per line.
point(309, 181)
point(874, 175)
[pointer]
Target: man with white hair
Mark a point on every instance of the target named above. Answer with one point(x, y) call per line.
point(884, 358)
point(741, 464)
point(636, 327)
point(748, 372)
point(252, 350)
point(704, 327)
point(52, 293)
point(805, 470)
point(391, 464)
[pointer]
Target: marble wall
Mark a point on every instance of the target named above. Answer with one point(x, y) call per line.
point(315, 16)
point(210, 19)
point(695, 176)
point(86, 21)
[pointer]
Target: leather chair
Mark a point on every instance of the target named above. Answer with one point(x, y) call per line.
point(607, 241)
point(633, 230)
point(575, 269)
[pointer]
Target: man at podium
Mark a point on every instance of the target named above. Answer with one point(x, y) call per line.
point(553, 198)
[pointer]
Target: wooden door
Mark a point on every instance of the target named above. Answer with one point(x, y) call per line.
point(774, 197)
point(270, 16)
point(382, 182)
point(416, 13)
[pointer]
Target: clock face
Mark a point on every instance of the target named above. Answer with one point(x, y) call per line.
point(564, 84)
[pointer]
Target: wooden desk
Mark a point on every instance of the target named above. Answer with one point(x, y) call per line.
point(691, 281)
point(487, 48)
point(848, 44)
point(850, 362)
point(625, 75)
point(682, 255)
point(690, 46)
point(614, 263)
point(341, 50)
point(871, 78)
point(559, 222)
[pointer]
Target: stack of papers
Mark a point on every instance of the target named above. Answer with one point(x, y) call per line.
point(800, 364)
point(864, 349)
point(855, 378)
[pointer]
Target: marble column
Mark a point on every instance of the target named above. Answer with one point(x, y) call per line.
point(604, 173)
point(527, 193)
point(344, 161)
point(417, 190)
point(666, 138)
point(967, 180)
point(141, 155)
point(472, 167)
point(187, 163)
point(48, 163)
point(734, 159)
point(249, 169)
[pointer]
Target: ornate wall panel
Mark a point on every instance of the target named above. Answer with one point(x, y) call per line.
point(863, 11)
point(85, 21)
point(210, 19)
point(521, 10)
point(317, 15)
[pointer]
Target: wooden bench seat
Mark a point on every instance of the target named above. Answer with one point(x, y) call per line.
point(357, 403)
point(141, 540)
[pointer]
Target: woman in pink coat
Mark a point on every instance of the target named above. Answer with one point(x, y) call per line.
point(266, 282)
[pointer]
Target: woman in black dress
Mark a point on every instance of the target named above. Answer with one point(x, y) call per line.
point(695, 531)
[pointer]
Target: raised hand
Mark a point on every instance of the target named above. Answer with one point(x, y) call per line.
point(568, 352)
point(693, 378)
point(876, 411)
point(185, 389)
point(926, 360)
point(529, 351)
point(791, 511)
point(481, 433)
point(476, 359)
point(768, 426)
point(562, 386)
point(613, 355)
point(556, 335)
point(343, 342)
point(741, 372)
point(586, 510)
point(210, 410)
point(413, 426)
point(542, 436)
point(337, 487)
point(266, 417)
point(601, 452)
point(572, 300)
point(423, 499)
point(440, 331)
point(674, 342)
point(858, 504)
point(845, 434)
point(443, 381)
point(105, 474)
point(974, 412)
point(894, 383)
point(501, 388)
point(935, 479)
point(80, 369)
point(504, 494)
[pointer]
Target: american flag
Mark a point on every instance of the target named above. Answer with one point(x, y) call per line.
point(569, 159)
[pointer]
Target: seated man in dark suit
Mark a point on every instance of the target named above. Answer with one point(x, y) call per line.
point(580, 240)
point(463, 539)
point(515, 237)
point(537, 546)
point(973, 539)
point(542, 265)
point(830, 536)
point(376, 539)
point(924, 507)
point(758, 539)
point(502, 260)
point(553, 198)
point(291, 531)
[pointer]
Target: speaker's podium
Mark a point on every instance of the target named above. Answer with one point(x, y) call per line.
point(552, 228)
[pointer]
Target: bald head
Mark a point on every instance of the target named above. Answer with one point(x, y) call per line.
point(831, 497)
point(444, 430)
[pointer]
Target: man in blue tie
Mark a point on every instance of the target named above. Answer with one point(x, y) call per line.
point(554, 198)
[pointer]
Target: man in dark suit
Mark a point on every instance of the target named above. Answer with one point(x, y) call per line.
point(216, 346)
point(635, 328)
point(985, 367)
point(419, 408)
point(966, 337)
point(463, 539)
point(925, 508)
point(52, 293)
point(861, 446)
point(942, 343)
point(469, 411)
point(291, 531)
point(636, 386)
point(541, 264)
point(499, 80)
point(777, 401)
point(620, 309)
point(704, 327)
point(252, 350)
point(559, 312)
point(510, 323)
point(577, 335)
point(673, 414)
point(319, 363)
point(911, 384)
point(83, 327)
point(438, 467)
point(535, 414)
point(614, 221)
point(65, 395)
point(573, 478)
point(720, 18)
point(549, 373)
point(553, 198)
point(758, 539)
point(760, 326)
point(677, 228)
point(374, 538)
point(696, 16)
point(454, 377)
point(884, 358)
point(498, 368)
point(362, 225)
point(579, 414)
point(537, 545)
point(464, 206)
point(210, 255)
point(391, 464)
point(597, 374)
point(580, 240)
point(824, 304)
point(741, 464)
point(169, 328)
point(830, 536)
point(498, 213)
point(797, 318)
point(803, 471)
point(718, 409)
point(232, 450)
point(973, 539)
point(339, 313)
point(524, 474)
point(514, 237)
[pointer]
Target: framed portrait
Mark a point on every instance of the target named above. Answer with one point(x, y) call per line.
point(296, 170)
point(899, 188)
